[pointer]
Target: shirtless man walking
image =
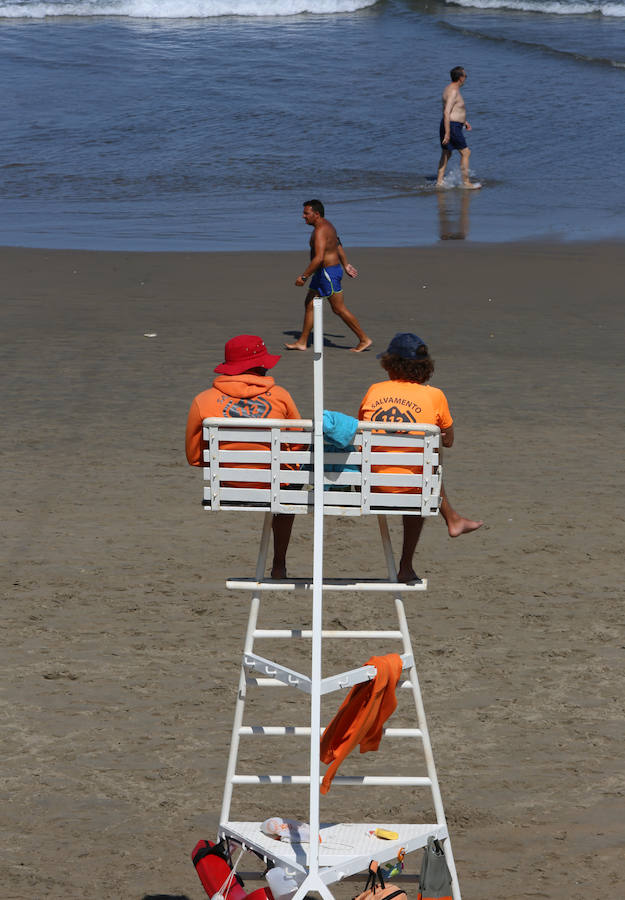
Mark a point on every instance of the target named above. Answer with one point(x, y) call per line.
point(451, 130)
point(327, 263)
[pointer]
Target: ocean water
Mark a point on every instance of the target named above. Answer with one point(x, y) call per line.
point(204, 124)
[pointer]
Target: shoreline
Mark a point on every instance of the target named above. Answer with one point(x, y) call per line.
point(121, 647)
point(452, 241)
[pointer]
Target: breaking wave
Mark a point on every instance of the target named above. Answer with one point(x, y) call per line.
point(176, 9)
point(553, 7)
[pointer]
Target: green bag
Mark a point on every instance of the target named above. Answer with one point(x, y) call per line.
point(435, 878)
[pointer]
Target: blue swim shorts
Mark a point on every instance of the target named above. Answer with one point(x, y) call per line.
point(456, 136)
point(327, 281)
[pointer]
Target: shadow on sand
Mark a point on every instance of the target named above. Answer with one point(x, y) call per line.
point(327, 339)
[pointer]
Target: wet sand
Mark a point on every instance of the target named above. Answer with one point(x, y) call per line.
point(121, 646)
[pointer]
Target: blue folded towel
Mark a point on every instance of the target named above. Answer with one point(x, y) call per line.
point(339, 428)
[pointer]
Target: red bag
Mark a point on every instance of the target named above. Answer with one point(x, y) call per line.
point(260, 894)
point(213, 866)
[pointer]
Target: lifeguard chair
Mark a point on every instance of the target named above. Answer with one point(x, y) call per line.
point(299, 475)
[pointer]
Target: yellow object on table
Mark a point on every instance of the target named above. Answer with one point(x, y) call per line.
point(386, 835)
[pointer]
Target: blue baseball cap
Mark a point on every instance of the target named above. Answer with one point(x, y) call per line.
point(406, 345)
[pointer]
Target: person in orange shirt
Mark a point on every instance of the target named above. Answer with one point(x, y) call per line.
point(244, 390)
point(407, 398)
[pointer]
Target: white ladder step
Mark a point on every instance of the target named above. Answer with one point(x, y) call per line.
point(307, 633)
point(275, 682)
point(303, 683)
point(329, 584)
point(304, 731)
point(351, 780)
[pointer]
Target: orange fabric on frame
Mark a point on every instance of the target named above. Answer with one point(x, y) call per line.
point(361, 716)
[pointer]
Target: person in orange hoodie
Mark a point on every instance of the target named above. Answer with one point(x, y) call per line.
point(244, 390)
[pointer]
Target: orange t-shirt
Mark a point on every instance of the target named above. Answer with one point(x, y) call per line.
point(404, 401)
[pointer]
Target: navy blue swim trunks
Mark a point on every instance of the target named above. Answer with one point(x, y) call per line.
point(327, 281)
point(456, 136)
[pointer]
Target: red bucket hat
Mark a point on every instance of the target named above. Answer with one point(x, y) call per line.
point(246, 351)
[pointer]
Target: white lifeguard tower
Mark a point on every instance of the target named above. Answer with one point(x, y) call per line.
point(299, 476)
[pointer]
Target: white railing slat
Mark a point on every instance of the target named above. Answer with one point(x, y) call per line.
point(348, 780)
point(304, 731)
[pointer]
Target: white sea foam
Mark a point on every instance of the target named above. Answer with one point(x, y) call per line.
point(176, 9)
point(554, 7)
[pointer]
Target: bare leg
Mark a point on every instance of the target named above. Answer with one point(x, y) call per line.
point(413, 525)
point(442, 165)
point(338, 307)
point(281, 525)
point(456, 524)
point(302, 342)
point(464, 170)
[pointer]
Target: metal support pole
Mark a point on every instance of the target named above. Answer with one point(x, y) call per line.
point(317, 617)
point(248, 647)
point(420, 709)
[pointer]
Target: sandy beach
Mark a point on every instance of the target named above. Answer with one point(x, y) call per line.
point(121, 646)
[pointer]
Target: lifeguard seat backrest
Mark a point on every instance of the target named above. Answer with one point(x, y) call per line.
point(258, 464)
point(400, 470)
point(267, 464)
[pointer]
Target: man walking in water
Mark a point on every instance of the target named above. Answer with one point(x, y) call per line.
point(452, 127)
point(327, 263)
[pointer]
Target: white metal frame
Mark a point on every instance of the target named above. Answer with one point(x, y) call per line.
point(322, 863)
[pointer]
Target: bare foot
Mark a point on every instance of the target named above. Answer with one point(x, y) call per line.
point(363, 345)
point(296, 346)
point(462, 526)
point(407, 576)
point(278, 571)
point(472, 185)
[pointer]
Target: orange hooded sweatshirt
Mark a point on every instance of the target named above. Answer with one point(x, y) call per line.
point(361, 716)
point(236, 396)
